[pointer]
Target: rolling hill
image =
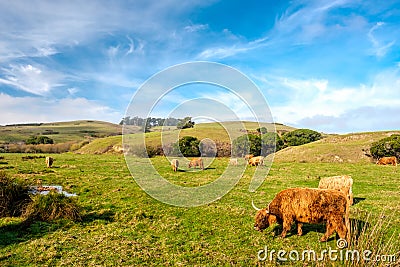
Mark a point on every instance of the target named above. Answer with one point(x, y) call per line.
point(222, 132)
point(60, 132)
point(350, 148)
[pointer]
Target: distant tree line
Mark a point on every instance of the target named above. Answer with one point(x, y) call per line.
point(149, 122)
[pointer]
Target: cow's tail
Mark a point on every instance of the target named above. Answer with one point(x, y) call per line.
point(347, 221)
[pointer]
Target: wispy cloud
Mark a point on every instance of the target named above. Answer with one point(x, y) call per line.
point(379, 49)
point(36, 80)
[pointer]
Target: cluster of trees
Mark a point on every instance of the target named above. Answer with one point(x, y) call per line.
point(137, 121)
point(386, 147)
point(39, 139)
point(267, 143)
point(150, 122)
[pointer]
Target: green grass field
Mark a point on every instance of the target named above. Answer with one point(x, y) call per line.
point(123, 226)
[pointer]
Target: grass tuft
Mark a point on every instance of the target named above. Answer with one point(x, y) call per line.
point(13, 196)
point(50, 207)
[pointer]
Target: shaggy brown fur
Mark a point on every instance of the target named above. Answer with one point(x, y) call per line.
point(174, 164)
point(248, 156)
point(387, 161)
point(196, 162)
point(343, 183)
point(256, 161)
point(49, 162)
point(307, 205)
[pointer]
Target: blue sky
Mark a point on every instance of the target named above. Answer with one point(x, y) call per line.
point(331, 66)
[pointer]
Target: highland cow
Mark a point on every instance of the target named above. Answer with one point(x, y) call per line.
point(343, 183)
point(49, 162)
point(196, 162)
point(248, 156)
point(387, 161)
point(307, 205)
point(174, 165)
point(256, 161)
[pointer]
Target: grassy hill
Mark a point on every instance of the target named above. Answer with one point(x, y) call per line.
point(222, 132)
point(350, 148)
point(60, 132)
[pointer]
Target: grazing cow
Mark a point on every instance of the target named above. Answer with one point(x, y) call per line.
point(307, 205)
point(256, 161)
point(174, 164)
point(387, 161)
point(233, 162)
point(196, 162)
point(343, 183)
point(248, 156)
point(49, 162)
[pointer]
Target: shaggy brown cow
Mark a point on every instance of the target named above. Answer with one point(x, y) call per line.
point(387, 161)
point(49, 162)
point(343, 183)
point(174, 164)
point(248, 156)
point(307, 205)
point(196, 162)
point(256, 161)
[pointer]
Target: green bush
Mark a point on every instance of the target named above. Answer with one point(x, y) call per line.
point(188, 146)
point(247, 144)
point(386, 147)
point(300, 137)
point(271, 142)
point(262, 130)
point(13, 196)
point(51, 207)
point(36, 140)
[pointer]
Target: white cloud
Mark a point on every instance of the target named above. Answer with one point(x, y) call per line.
point(196, 27)
point(378, 49)
point(315, 103)
point(73, 90)
point(39, 109)
point(36, 80)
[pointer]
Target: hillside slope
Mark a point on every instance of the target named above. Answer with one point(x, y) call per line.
point(334, 148)
point(60, 132)
point(222, 132)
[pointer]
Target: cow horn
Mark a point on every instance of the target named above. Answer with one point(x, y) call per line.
point(254, 206)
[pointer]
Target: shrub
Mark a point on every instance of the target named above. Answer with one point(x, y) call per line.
point(386, 147)
point(247, 144)
point(36, 140)
point(262, 130)
point(51, 207)
point(188, 146)
point(300, 137)
point(271, 142)
point(13, 196)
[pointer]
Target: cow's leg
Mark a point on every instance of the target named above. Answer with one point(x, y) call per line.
point(286, 225)
point(329, 231)
point(341, 229)
point(299, 230)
